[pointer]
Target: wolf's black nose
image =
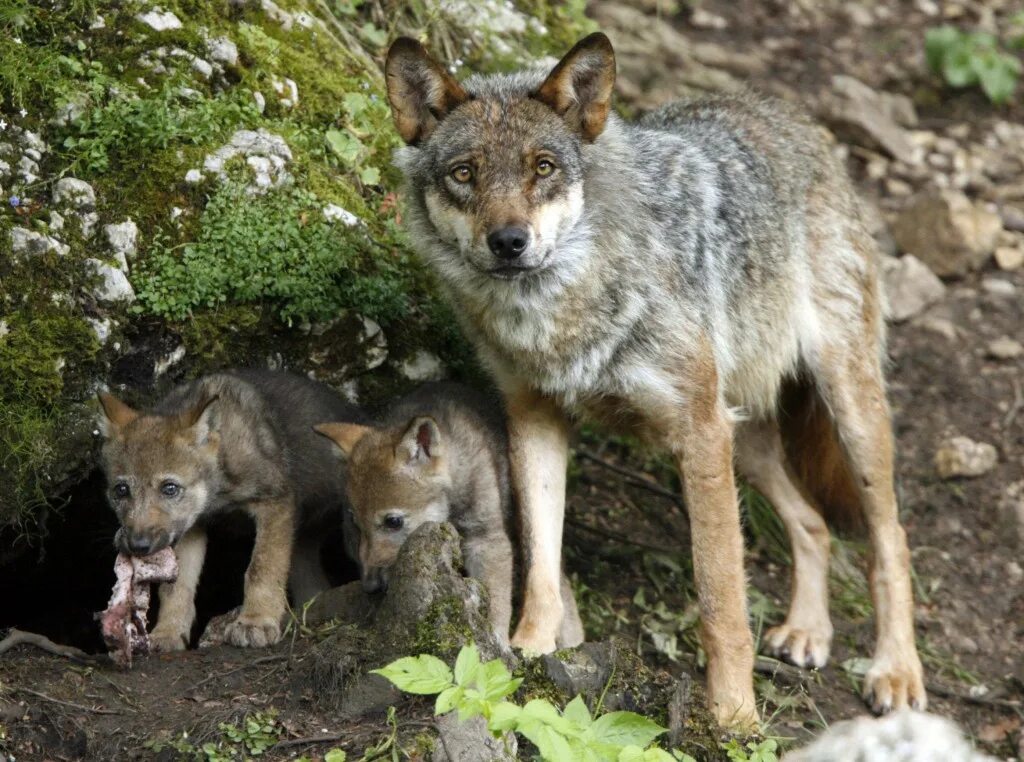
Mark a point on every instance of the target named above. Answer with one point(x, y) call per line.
point(140, 546)
point(508, 243)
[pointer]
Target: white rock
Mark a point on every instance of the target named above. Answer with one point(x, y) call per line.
point(492, 16)
point(123, 238)
point(101, 328)
point(270, 151)
point(193, 177)
point(703, 19)
point(168, 361)
point(115, 287)
point(56, 221)
point(374, 343)
point(160, 20)
point(202, 67)
point(74, 193)
point(28, 170)
point(998, 287)
point(29, 242)
point(1009, 257)
point(963, 457)
point(287, 92)
point(1005, 348)
point(305, 20)
point(261, 102)
point(278, 14)
point(222, 50)
point(422, 366)
point(335, 213)
point(910, 287)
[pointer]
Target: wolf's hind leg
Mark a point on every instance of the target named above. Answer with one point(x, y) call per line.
point(805, 638)
point(850, 381)
point(571, 633)
point(265, 603)
point(178, 598)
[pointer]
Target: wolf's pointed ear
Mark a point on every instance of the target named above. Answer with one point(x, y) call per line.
point(345, 435)
point(580, 87)
point(421, 442)
point(420, 91)
point(116, 414)
point(199, 419)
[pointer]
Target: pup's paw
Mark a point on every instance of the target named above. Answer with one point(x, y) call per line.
point(895, 684)
point(802, 646)
point(737, 714)
point(167, 639)
point(253, 631)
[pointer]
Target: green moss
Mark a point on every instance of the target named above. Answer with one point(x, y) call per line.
point(443, 631)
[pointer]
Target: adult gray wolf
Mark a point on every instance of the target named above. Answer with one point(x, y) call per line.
point(703, 277)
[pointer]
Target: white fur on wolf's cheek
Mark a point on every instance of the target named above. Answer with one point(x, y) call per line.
point(553, 219)
point(452, 225)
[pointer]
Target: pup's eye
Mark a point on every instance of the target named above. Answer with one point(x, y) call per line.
point(545, 167)
point(170, 489)
point(122, 490)
point(463, 173)
point(394, 522)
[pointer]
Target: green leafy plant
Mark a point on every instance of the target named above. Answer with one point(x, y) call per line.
point(966, 59)
point(476, 689)
point(754, 751)
point(258, 732)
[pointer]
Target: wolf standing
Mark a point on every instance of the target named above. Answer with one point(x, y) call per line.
point(226, 441)
point(680, 276)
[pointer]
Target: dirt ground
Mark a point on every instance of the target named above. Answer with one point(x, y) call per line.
point(627, 534)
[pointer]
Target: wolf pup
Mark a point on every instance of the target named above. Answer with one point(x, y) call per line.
point(239, 440)
point(441, 454)
point(674, 276)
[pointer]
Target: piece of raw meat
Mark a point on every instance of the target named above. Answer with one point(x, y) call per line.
point(123, 624)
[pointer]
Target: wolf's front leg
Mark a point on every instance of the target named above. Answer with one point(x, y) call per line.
point(704, 450)
point(489, 559)
point(178, 598)
point(538, 451)
point(265, 602)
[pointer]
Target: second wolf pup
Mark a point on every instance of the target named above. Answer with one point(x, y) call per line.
point(240, 440)
point(441, 454)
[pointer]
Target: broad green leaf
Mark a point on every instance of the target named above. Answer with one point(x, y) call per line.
point(335, 755)
point(936, 43)
point(624, 729)
point(631, 753)
point(469, 708)
point(543, 712)
point(422, 675)
point(504, 716)
point(467, 664)
point(958, 66)
point(369, 176)
point(997, 74)
point(447, 700)
point(576, 711)
point(345, 145)
point(553, 746)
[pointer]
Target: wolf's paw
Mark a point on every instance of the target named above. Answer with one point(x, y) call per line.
point(739, 715)
point(253, 631)
point(802, 646)
point(532, 643)
point(895, 684)
point(167, 639)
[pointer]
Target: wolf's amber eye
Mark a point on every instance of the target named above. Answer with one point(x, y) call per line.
point(545, 167)
point(122, 490)
point(463, 173)
point(170, 489)
point(393, 522)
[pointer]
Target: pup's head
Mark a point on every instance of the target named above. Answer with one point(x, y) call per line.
point(499, 159)
point(397, 480)
point(159, 470)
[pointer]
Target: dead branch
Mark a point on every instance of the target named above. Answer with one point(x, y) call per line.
point(17, 637)
point(61, 702)
point(636, 477)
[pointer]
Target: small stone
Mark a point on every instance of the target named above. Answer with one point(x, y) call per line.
point(374, 342)
point(160, 20)
point(101, 328)
point(222, 50)
point(193, 177)
point(422, 366)
point(202, 67)
point(1005, 348)
point(163, 364)
point(29, 242)
point(938, 325)
point(963, 457)
point(114, 287)
point(1009, 258)
point(947, 232)
point(261, 102)
point(74, 193)
point(471, 741)
point(56, 221)
point(998, 287)
point(1011, 515)
point(870, 119)
point(896, 187)
point(910, 287)
point(703, 19)
point(123, 239)
point(287, 92)
point(334, 213)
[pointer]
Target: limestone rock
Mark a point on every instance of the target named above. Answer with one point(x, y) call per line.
point(1009, 257)
point(910, 287)
point(75, 194)
point(963, 457)
point(222, 50)
point(422, 366)
point(160, 20)
point(860, 115)
point(114, 286)
point(29, 242)
point(123, 238)
point(471, 741)
point(335, 213)
point(1005, 348)
point(947, 232)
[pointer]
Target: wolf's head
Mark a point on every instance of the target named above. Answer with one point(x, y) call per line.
point(397, 479)
point(160, 471)
point(499, 160)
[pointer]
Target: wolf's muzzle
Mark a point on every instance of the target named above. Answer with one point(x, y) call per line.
point(508, 242)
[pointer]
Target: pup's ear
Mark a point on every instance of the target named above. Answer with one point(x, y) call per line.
point(421, 442)
point(198, 420)
point(116, 414)
point(345, 435)
point(420, 91)
point(580, 86)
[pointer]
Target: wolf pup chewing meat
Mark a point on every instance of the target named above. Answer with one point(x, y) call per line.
point(441, 454)
point(238, 440)
point(679, 276)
